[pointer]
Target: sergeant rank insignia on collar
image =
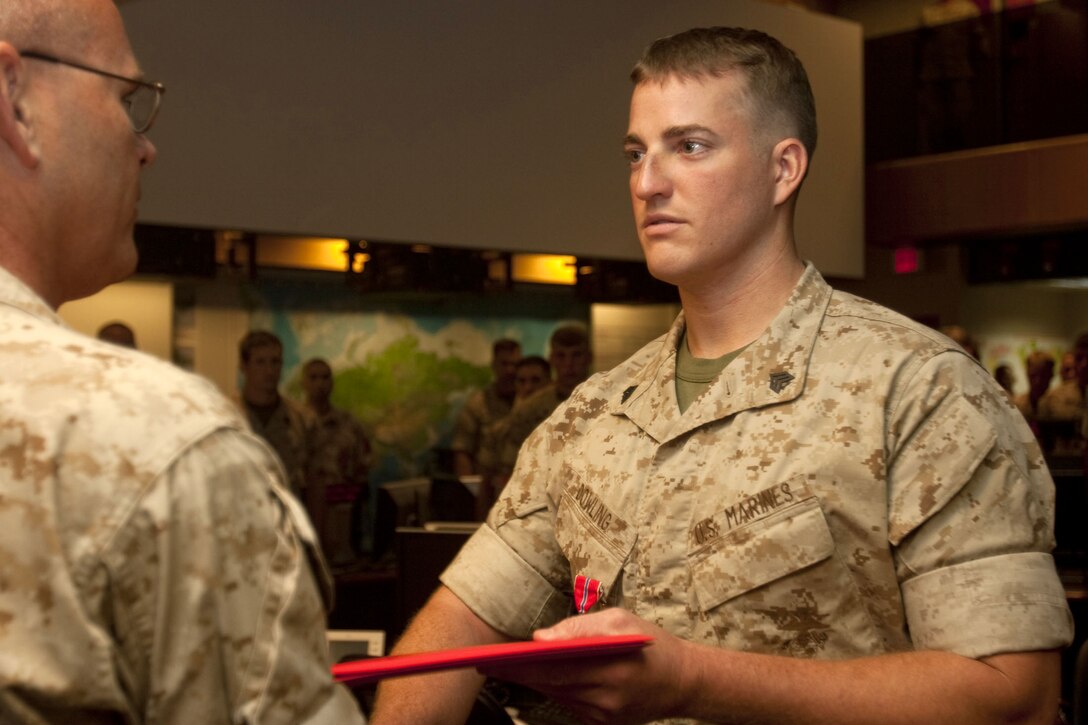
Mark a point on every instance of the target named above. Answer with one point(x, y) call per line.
point(780, 380)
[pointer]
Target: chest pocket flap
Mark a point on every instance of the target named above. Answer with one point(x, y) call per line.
point(595, 541)
point(758, 553)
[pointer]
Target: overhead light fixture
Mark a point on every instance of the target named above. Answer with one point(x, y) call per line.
point(312, 253)
point(544, 268)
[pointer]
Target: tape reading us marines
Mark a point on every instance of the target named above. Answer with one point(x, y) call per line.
point(744, 511)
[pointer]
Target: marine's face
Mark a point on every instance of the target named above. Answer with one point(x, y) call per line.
point(263, 368)
point(1069, 367)
point(317, 381)
point(504, 365)
point(571, 365)
point(529, 379)
point(1039, 376)
point(701, 179)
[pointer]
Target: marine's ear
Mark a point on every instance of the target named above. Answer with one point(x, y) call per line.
point(791, 165)
point(16, 134)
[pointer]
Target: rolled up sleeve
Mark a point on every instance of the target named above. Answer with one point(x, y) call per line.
point(971, 518)
point(1011, 603)
point(512, 572)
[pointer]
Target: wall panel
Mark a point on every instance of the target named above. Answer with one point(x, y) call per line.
point(483, 123)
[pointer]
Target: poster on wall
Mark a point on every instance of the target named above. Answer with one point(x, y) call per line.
point(404, 373)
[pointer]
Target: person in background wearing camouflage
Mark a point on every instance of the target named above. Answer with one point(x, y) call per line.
point(532, 373)
point(473, 453)
point(820, 510)
point(286, 425)
point(1065, 401)
point(153, 567)
point(569, 355)
point(339, 467)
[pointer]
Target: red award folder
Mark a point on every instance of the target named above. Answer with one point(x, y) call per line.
point(378, 668)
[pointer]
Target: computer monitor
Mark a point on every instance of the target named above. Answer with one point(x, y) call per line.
point(399, 503)
point(451, 499)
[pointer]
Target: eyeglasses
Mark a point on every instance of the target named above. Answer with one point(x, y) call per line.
point(142, 104)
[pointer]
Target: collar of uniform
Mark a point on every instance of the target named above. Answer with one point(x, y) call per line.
point(15, 293)
point(650, 398)
point(771, 370)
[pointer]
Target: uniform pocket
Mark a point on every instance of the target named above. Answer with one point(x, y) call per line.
point(767, 577)
point(753, 555)
point(594, 540)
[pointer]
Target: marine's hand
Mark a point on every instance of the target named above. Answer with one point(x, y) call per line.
point(636, 687)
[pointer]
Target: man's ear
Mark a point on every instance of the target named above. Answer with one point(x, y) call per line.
point(791, 165)
point(15, 131)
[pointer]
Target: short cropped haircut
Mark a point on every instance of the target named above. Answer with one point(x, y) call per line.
point(255, 339)
point(505, 345)
point(777, 89)
point(570, 336)
point(316, 361)
point(540, 362)
point(1039, 357)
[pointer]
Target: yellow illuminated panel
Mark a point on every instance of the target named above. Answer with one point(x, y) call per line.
point(544, 268)
point(303, 253)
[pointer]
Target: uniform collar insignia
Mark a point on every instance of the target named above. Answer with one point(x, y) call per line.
point(627, 393)
point(780, 380)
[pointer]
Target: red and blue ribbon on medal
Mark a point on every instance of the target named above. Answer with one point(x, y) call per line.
point(586, 593)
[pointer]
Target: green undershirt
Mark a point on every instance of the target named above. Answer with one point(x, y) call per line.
point(695, 374)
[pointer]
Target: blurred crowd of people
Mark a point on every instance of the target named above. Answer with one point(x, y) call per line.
point(1054, 402)
point(326, 452)
point(1055, 409)
point(496, 420)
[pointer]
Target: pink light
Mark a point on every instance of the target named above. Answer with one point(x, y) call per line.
point(907, 260)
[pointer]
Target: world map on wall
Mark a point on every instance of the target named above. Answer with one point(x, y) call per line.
point(405, 377)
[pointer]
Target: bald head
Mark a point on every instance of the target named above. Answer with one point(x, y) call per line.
point(57, 25)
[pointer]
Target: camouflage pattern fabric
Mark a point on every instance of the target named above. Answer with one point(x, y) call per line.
point(340, 460)
point(290, 433)
point(851, 484)
point(1063, 402)
point(152, 566)
point(512, 431)
point(339, 466)
point(472, 430)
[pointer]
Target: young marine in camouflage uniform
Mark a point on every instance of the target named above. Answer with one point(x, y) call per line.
point(472, 445)
point(286, 425)
point(339, 470)
point(152, 566)
point(845, 522)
